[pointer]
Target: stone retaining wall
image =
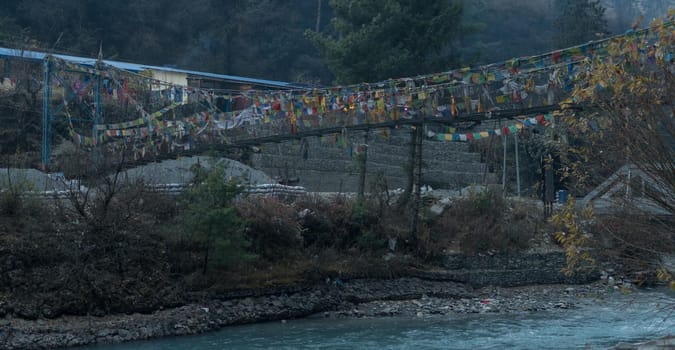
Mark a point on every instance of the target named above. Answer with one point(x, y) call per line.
point(509, 270)
point(322, 166)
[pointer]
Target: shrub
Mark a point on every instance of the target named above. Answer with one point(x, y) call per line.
point(325, 222)
point(484, 203)
point(342, 224)
point(13, 200)
point(160, 207)
point(492, 235)
point(273, 226)
point(481, 222)
point(10, 203)
point(370, 242)
point(635, 242)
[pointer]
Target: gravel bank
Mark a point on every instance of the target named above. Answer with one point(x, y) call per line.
point(356, 298)
point(484, 300)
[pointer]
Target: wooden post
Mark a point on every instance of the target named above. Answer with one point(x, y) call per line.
point(504, 168)
point(417, 170)
point(363, 161)
point(515, 137)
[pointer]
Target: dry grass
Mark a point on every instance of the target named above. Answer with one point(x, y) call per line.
point(484, 222)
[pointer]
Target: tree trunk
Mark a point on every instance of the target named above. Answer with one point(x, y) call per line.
point(318, 15)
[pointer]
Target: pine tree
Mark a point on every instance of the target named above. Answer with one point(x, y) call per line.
point(376, 40)
point(579, 21)
point(211, 221)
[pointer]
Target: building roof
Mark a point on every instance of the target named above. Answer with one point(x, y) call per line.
point(134, 67)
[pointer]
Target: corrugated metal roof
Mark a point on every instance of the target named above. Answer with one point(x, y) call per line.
point(133, 67)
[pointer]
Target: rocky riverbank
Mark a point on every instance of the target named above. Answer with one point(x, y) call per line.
point(484, 300)
point(353, 298)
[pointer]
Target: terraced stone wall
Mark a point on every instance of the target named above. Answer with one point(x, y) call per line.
point(322, 164)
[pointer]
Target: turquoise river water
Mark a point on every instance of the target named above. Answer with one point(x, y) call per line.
point(620, 318)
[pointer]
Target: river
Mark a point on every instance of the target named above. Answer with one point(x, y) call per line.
point(601, 324)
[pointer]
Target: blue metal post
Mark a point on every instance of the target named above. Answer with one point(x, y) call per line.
point(46, 114)
point(6, 64)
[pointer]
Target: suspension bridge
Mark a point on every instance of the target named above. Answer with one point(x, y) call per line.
point(153, 112)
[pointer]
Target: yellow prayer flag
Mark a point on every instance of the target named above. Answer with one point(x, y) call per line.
point(380, 104)
point(575, 51)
